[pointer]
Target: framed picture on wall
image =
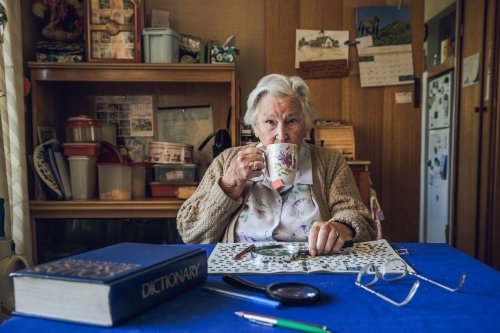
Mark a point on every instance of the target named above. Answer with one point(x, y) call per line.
point(113, 30)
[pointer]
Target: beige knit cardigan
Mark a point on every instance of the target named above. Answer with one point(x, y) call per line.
point(209, 215)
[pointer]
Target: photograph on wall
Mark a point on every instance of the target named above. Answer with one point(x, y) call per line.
point(384, 45)
point(316, 45)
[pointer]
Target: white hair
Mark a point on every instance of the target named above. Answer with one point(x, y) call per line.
point(280, 86)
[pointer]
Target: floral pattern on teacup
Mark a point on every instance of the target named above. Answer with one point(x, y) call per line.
point(287, 162)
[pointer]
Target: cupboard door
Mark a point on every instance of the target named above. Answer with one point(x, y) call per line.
point(475, 132)
point(468, 128)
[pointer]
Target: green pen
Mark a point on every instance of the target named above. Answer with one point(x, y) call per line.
point(285, 323)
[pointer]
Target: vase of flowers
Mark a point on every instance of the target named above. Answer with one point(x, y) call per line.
point(65, 19)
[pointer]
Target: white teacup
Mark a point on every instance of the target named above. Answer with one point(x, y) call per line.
point(281, 164)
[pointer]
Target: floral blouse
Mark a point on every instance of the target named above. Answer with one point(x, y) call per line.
point(286, 216)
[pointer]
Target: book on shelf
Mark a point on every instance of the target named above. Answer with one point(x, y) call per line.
point(203, 53)
point(49, 156)
point(444, 50)
point(106, 286)
point(447, 49)
point(59, 165)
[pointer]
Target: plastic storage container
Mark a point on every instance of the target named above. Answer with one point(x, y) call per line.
point(83, 129)
point(201, 169)
point(161, 45)
point(138, 179)
point(115, 181)
point(174, 173)
point(83, 171)
point(168, 189)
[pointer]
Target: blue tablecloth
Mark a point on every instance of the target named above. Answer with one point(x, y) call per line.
point(343, 307)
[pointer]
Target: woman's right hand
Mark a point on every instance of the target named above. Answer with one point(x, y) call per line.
point(247, 164)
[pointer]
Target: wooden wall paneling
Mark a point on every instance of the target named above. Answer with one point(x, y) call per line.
point(367, 121)
point(217, 20)
point(495, 213)
point(387, 135)
point(406, 167)
point(326, 93)
point(495, 95)
point(467, 136)
point(282, 17)
point(363, 108)
point(489, 149)
point(484, 145)
point(321, 15)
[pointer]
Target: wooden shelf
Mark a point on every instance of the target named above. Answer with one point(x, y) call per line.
point(441, 68)
point(95, 208)
point(125, 72)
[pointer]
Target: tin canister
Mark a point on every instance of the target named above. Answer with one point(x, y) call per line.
point(170, 153)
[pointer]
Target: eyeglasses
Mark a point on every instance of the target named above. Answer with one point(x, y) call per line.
point(390, 274)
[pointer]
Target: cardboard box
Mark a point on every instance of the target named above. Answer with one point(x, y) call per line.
point(223, 54)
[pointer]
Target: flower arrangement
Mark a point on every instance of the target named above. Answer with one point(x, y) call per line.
point(66, 18)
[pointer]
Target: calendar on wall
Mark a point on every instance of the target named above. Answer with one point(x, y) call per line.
point(385, 66)
point(384, 45)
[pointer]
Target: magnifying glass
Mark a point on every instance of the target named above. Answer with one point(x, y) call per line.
point(288, 293)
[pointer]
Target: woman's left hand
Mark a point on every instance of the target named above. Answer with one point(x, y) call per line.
point(327, 238)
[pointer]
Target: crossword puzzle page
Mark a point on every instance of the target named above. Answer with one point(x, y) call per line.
point(347, 260)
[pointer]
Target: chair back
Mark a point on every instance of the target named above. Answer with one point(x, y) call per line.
point(337, 137)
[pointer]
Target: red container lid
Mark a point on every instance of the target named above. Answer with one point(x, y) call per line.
point(109, 154)
point(82, 121)
point(81, 149)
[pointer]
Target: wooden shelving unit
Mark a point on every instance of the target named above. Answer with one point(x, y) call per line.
point(63, 90)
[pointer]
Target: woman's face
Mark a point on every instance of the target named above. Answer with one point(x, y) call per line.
point(280, 120)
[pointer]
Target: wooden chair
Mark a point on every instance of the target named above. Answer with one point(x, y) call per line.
point(337, 137)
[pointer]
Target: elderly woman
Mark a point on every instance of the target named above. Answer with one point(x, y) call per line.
point(236, 203)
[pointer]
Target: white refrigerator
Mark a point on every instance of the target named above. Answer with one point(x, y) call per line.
point(437, 151)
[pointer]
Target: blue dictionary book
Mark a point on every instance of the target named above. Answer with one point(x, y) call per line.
point(108, 285)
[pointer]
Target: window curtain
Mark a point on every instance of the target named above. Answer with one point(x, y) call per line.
point(13, 165)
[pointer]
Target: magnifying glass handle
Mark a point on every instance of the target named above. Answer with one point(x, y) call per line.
point(243, 284)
